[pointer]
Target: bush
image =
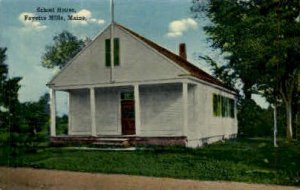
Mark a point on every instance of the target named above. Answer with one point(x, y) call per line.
point(255, 121)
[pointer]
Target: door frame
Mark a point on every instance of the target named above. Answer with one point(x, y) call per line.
point(120, 110)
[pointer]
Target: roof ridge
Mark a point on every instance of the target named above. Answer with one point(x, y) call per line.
point(191, 68)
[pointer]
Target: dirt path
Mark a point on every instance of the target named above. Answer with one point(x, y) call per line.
point(33, 179)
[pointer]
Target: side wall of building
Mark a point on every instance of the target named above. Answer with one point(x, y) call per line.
point(204, 126)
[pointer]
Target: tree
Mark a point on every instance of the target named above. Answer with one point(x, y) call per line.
point(10, 114)
point(9, 104)
point(261, 40)
point(65, 47)
point(35, 118)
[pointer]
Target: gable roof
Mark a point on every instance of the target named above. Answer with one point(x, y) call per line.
point(192, 69)
point(174, 58)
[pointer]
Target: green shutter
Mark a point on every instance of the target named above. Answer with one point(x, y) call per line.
point(232, 108)
point(215, 104)
point(219, 105)
point(107, 52)
point(116, 51)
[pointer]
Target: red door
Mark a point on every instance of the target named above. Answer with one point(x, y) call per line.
point(128, 117)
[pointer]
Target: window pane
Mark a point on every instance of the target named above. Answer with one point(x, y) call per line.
point(127, 96)
point(227, 107)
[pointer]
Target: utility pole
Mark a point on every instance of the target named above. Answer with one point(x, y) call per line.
point(112, 41)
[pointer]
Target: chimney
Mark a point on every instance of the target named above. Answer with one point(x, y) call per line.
point(182, 50)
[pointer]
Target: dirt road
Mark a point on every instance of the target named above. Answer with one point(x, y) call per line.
point(34, 179)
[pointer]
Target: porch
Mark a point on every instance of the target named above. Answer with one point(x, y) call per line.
point(144, 113)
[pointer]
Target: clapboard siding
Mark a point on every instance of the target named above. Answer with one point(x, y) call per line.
point(204, 126)
point(80, 112)
point(161, 109)
point(108, 111)
point(192, 111)
point(138, 62)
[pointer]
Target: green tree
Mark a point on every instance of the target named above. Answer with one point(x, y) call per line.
point(261, 42)
point(35, 118)
point(9, 104)
point(64, 48)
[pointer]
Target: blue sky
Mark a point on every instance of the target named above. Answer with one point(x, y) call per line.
point(167, 22)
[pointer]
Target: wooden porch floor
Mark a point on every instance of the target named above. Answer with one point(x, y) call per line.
point(119, 140)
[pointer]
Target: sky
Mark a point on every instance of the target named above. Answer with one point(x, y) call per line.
point(166, 22)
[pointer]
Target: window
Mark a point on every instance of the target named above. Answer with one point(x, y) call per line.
point(116, 52)
point(223, 106)
point(217, 105)
point(127, 96)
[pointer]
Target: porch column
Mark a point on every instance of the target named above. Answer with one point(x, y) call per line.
point(137, 109)
point(69, 114)
point(52, 113)
point(93, 111)
point(185, 107)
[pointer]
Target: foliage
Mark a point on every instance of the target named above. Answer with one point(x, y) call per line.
point(255, 121)
point(65, 47)
point(247, 160)
point(261, 42)
point(35, 119)
point(21, 124)
point(32, 129)
point(9, 104)
point(222, 72)
point(62, 125)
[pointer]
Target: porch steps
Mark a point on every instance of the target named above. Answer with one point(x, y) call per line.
point(112, 141)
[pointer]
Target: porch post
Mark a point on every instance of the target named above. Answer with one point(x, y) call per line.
point(185, 107)
point(137, 110)
point(93, 111)
point(52, 113)
point(69, 114)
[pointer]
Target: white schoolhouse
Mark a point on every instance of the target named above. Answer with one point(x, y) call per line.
point(125, 88)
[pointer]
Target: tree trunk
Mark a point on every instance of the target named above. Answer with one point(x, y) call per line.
point(286, 90)
point(289, 129)
point(247, 89)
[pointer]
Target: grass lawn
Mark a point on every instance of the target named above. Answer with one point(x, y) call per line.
point(247, 160)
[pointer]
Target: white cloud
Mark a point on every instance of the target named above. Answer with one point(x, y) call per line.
point(89, 19)
point(178, 27)
point(31, 21)
point(101, 21)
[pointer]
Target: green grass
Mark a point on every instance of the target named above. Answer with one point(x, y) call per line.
point(247, 160)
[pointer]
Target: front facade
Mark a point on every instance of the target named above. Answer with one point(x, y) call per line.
point(146, 94)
